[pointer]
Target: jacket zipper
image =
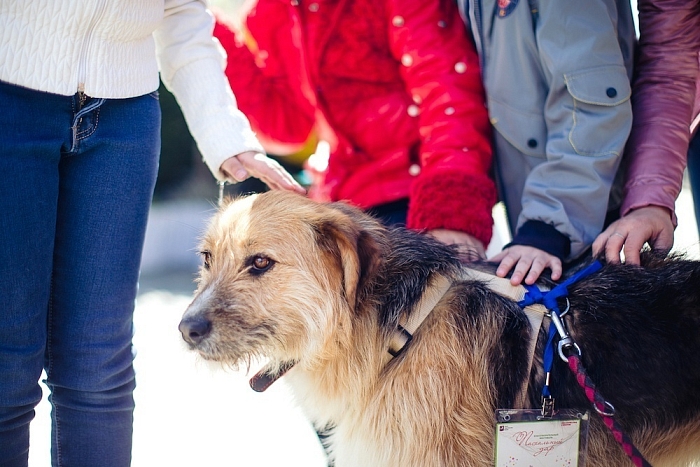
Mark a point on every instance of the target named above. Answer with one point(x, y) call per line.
point(476, 21)
point(82, 63)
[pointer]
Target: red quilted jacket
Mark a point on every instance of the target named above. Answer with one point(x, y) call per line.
point(393, 85)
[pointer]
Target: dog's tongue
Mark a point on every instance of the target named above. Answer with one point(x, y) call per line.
point(264, 378)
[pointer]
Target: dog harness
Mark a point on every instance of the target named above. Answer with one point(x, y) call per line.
point(535, 313)
point(408, 326)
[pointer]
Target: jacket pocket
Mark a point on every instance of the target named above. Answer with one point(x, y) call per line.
point(602, 112)
point(527, 131)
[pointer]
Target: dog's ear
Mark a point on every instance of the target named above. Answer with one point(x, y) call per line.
point(355, 239)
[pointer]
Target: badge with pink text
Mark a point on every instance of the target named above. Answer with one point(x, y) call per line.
point(526, 439)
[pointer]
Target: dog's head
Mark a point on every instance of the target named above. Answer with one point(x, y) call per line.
point(281, 277)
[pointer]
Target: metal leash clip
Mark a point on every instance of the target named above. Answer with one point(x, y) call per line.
point(566, 342)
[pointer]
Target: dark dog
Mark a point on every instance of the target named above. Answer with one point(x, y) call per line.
point(321, 289)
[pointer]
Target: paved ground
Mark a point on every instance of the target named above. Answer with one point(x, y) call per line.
point(186, 413)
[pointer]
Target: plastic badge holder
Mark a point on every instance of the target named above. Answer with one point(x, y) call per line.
point(524, 438)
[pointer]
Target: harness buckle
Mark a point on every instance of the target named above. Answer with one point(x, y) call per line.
point(400, 340)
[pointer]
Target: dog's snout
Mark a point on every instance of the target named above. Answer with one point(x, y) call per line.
point(194, 329)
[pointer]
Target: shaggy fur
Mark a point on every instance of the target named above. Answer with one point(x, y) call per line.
point(324, 286)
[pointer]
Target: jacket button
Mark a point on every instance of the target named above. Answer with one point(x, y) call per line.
point(449, 111)
point(460, 67)
point(414, 169)
point(313, 7)
point(532, 143)
point(442, 24)
point(611, 92)
point(413, 110)
point(406, 60)
point(397, 21)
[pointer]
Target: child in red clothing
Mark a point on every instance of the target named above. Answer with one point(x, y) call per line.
point(394, 88)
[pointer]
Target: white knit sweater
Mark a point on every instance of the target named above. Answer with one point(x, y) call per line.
point(115, 48)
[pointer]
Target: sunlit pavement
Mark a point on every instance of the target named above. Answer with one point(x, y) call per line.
point(189, 414)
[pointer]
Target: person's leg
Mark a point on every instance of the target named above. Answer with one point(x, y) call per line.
point(694, 174)
point(31, 135)
point(107, 175)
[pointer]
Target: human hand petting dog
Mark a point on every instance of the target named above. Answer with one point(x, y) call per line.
point(470, 249)
point(528, 261)
point(628, 234)
point(252, 163)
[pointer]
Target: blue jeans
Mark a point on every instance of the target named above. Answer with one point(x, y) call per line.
point(75, 190)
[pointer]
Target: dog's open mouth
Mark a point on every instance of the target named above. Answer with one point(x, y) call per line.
point(262, 380)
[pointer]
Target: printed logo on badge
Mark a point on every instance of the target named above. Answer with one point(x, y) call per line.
point(506, 7)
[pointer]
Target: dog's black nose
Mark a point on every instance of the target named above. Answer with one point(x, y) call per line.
point(194, 329)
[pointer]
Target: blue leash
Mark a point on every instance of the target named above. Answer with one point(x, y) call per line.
point(549, 300)
point(606, 410)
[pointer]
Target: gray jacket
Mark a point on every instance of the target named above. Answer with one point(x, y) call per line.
point(557, 76)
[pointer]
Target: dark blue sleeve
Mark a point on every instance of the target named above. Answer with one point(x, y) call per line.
point(544, 237)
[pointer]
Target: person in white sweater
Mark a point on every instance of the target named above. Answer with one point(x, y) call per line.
point(79, 147)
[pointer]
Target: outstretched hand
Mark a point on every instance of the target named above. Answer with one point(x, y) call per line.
point(649, 224)
point(527, 263)
point(469, 248)
point(254, 164)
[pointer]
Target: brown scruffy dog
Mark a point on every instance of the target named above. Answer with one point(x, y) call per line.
point(321, 289)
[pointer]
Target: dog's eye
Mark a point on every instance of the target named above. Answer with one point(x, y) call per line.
point(261, 264)
point(206, 257)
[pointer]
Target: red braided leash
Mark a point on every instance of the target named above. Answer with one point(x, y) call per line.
point(600, 404)
point(568, 346)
